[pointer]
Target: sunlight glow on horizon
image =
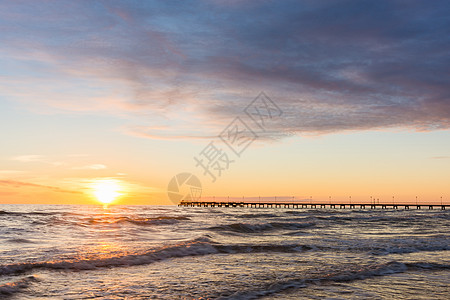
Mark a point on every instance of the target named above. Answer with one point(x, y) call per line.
point(106, 191)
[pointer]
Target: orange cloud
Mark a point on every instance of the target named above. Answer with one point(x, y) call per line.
point(20, 184)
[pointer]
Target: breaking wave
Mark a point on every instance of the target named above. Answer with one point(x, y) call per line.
point(261, 227)
point(200, 246)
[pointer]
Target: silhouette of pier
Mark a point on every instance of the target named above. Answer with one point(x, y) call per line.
point(308, 204)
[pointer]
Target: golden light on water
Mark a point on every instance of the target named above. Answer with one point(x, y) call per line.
point(106, 191)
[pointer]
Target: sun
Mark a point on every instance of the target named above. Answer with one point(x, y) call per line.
point(106, 190)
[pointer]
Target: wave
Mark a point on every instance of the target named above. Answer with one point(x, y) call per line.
point(20, 241)
point(86, 220)
point(200, 246)
point(383, 247)
point(256, 215)
point(261, 227)
point(111, 220)
point(11, 288)
point(409, 249)
point(137, 221)
point(205, 246)
point(383, 216)
point(346, 275)
point(313, 211)
point(264, 248)
point(14, 213)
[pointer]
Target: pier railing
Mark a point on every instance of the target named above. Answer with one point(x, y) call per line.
point(293, 202)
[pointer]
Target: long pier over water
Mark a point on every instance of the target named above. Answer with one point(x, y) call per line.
point(311, 204)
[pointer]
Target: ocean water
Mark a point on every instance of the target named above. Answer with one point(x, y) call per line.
point(164, 252)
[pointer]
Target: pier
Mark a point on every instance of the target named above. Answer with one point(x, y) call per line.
point(311, 205)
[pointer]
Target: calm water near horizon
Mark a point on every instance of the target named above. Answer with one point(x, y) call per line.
point(168, 252)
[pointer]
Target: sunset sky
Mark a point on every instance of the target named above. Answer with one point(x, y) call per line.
point(130, 92)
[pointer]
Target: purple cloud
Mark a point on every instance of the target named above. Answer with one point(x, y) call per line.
point(331, 66)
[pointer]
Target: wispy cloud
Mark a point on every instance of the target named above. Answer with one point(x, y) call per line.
point(352, 65)
point(11, 172)
point(91, 167)
point(33, 158)
point(167, 135)
point(29, 158)
point(20, 184)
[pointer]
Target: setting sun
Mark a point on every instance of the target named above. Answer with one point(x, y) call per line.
point(106, 190)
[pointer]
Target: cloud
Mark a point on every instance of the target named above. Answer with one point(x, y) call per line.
point(33, 158)
point(167, 135)
point(331, 67)
point(20, 184)
point(29, 158)
point(11, 172)
point(77, 155)
point(91, 167)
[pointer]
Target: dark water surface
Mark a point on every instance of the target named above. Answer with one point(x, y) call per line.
point(165, 252)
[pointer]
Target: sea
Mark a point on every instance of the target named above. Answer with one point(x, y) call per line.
point(170, 252)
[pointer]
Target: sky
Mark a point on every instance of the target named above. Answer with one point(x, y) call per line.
point(311, 99)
